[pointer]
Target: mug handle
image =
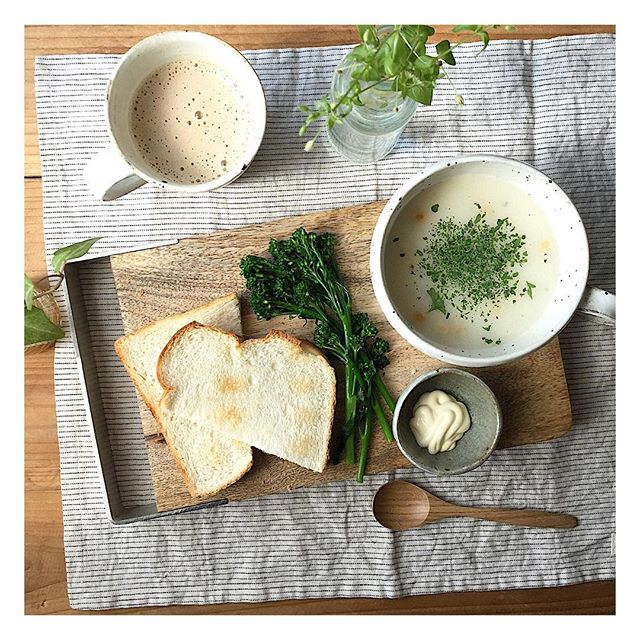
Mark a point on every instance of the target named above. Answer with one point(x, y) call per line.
point(600, 304)
point(109, 177)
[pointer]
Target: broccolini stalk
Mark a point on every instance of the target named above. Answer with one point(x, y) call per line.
point(302, 279)
point(364, 446)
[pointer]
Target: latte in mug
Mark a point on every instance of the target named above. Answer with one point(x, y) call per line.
point(190, 122)
point(185, 111)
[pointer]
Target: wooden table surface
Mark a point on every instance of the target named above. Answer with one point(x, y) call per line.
point(45, 577)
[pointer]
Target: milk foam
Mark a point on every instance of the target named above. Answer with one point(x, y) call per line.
point(190, 122)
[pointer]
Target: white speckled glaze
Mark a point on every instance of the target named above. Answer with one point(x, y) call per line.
point(569, 235)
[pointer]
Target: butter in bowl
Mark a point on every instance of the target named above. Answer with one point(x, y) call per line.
point(447, 422)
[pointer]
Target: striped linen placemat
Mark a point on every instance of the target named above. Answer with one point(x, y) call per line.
point(550, 103)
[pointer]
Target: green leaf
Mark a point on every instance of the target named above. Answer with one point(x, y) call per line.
point(29, 291)
point(373, 74)
point(368, 33)
point(38, 328)
point(530, 288)
point(444, 52)
point(312, 117)
point(427, 67)
point(422, 31)
point(464, 27)
point(361, 53)
point(399, 48)
point(484, 36)
point(65, 254)
point(416, 35)
point(421, 93)
point(392, 54)
point(437, 303)
point(322, 106)
point(364, 71)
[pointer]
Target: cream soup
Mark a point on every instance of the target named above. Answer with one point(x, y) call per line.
point(462, 198)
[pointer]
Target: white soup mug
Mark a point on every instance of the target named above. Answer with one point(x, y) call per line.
point(571, 292)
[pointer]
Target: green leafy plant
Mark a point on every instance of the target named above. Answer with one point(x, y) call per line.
point(393, 59)
point(38, 328)
point(301, 279)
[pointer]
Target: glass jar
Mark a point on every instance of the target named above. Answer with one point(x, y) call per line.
point(369, 132)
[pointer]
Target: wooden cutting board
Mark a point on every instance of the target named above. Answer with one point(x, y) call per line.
point(157, 282)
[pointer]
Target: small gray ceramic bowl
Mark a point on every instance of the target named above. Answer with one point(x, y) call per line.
point(475, 446)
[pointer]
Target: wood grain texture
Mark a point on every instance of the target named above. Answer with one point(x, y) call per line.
point(401, 505)
point(45, 574)
point(154, 283)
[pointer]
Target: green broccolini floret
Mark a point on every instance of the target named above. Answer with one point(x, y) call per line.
point(302, 279)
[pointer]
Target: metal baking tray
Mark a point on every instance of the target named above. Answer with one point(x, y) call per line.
point(128, 497)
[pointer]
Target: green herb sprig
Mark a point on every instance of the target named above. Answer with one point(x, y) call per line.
point(301, 279)
point(38, 328)
point(396, 60)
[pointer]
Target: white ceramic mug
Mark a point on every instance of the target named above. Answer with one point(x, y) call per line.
point(120, 168)
point(571, 294)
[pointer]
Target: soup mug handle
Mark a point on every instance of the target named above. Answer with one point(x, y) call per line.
point(599, 304)
point(109, 176)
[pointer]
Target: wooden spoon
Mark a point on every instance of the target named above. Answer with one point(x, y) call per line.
point(400, 505)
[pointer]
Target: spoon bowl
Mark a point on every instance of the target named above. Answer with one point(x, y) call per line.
point(401, 505)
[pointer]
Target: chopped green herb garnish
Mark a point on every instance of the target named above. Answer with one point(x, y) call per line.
point(435, 208)
point(530, 288)
point(473, 264)
point(488, 340)
point(437, 303)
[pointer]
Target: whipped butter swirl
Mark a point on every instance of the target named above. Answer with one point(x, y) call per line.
point(439, 421)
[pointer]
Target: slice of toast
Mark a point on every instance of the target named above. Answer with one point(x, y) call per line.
point(275, 393)
point(208, 460)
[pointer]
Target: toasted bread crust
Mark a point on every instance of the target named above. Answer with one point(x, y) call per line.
point(120, 343)
point(133, 375)
point(187, 478)
point(120, 348)
point(302, 345)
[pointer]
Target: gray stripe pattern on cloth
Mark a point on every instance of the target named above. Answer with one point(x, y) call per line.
point(550, 103)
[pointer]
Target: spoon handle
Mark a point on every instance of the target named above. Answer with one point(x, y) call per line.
point(521, 517)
